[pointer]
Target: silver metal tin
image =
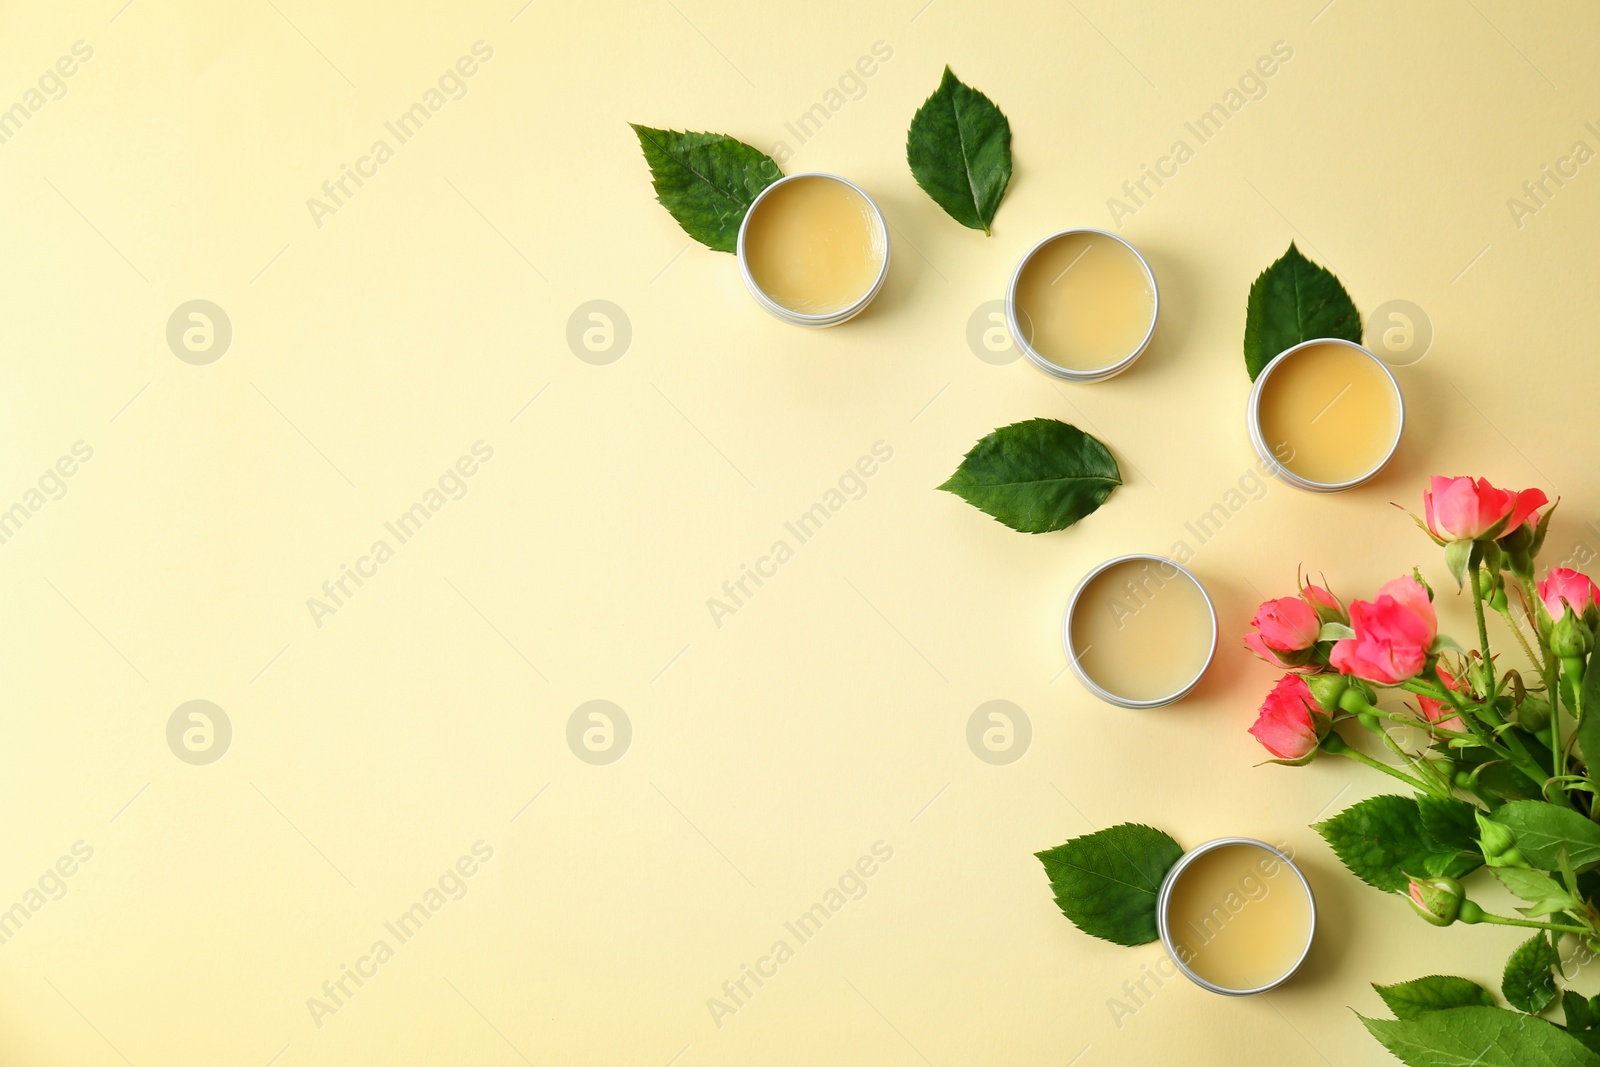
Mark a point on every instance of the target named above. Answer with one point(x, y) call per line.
point(1164, 901)
point(1259, 442)
point(831, 318)
point(1020, 337)
point(1072, 653)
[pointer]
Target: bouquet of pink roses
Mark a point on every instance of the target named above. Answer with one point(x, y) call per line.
point(1505, 773)
point(1500, 754)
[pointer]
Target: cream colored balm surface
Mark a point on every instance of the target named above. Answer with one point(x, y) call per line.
point(1239, 917)
point(1142, 630)
point(1084, 301)
point(814, 245)
point(1329, 413)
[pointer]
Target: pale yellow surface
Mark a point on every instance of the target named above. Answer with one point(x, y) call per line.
point(829, 711)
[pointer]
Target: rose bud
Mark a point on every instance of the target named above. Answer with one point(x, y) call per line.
point(1286, 629)
point(1564, 587)
point(1498, 844)
point(1437, 900)
point(1291, 722)
point(1324, 603)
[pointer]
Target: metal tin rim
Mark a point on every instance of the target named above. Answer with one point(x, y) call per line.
point(1095, 687)
point(799, 318)
point(1055, 369)
point(1164, 901)
point(1259, 442)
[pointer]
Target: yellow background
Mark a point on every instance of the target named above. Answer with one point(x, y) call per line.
point(830, 711)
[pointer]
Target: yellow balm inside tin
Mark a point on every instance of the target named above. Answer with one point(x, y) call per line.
point(1239, 918)
point(1330, 412)
point(814, 245)
point(1085, 301)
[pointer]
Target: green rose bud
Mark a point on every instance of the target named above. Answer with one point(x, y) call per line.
point(1354, 701)
point(1570, 638)
point(1327, 689)
point(1437, 900)
point(1498, 844)
point(1518, 540)
point(1534, 715)
point(1487, 583)
point(1470, 913)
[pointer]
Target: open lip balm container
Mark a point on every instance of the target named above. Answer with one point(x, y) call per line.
point(813, 249)
point(1237, 916)
point(1326, 415)
point(1140, 631)
point(1082, 305)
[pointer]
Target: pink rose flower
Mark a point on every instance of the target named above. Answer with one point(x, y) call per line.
point(1460, 509)
point(1440, 713)
point(1287, 624)
point(1325, 604)
point(1564, 586)
point(1291, 722)
point(1393, 634)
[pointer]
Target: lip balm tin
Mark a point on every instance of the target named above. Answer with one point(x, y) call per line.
point(1164, 902)
point(1074, 655)
point(1020, 335)
point(800, 318)
point(1258, 438)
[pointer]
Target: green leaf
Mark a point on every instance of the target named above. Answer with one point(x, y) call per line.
point(1501, 778)
point(1036, 476)
point(707, 181)
point(1582, 1017)
point(1381, 840)
point(1541, 529)
point(959, 149)
point(1450, 823)
point(1451, 829)
point(1544, 893)
point(1527, 983)
point(1295, 300)
point(1456, 556)
point(1589, 721)
point(1437, 992)
point(1335, 631)
point(1107, 881)
point(1480, 1037)
point(1543, 829)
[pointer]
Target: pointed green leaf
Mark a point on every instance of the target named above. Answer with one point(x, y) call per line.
point(1291, 301)
point(1545, 894)
point(1036, 476)
point(1528, 983)
point(1543, 829)
point(959, 149)
point(1457, 554)
point(1437, 992)
point(1381, 840)
point(1582, 1017)
point(1449, 823)
point(1505, 780)
point(1107, 882)
point(1542, 528)
point(1589, 719)
point(1479, 1037)
point(707, 181)
point(1335, 631)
